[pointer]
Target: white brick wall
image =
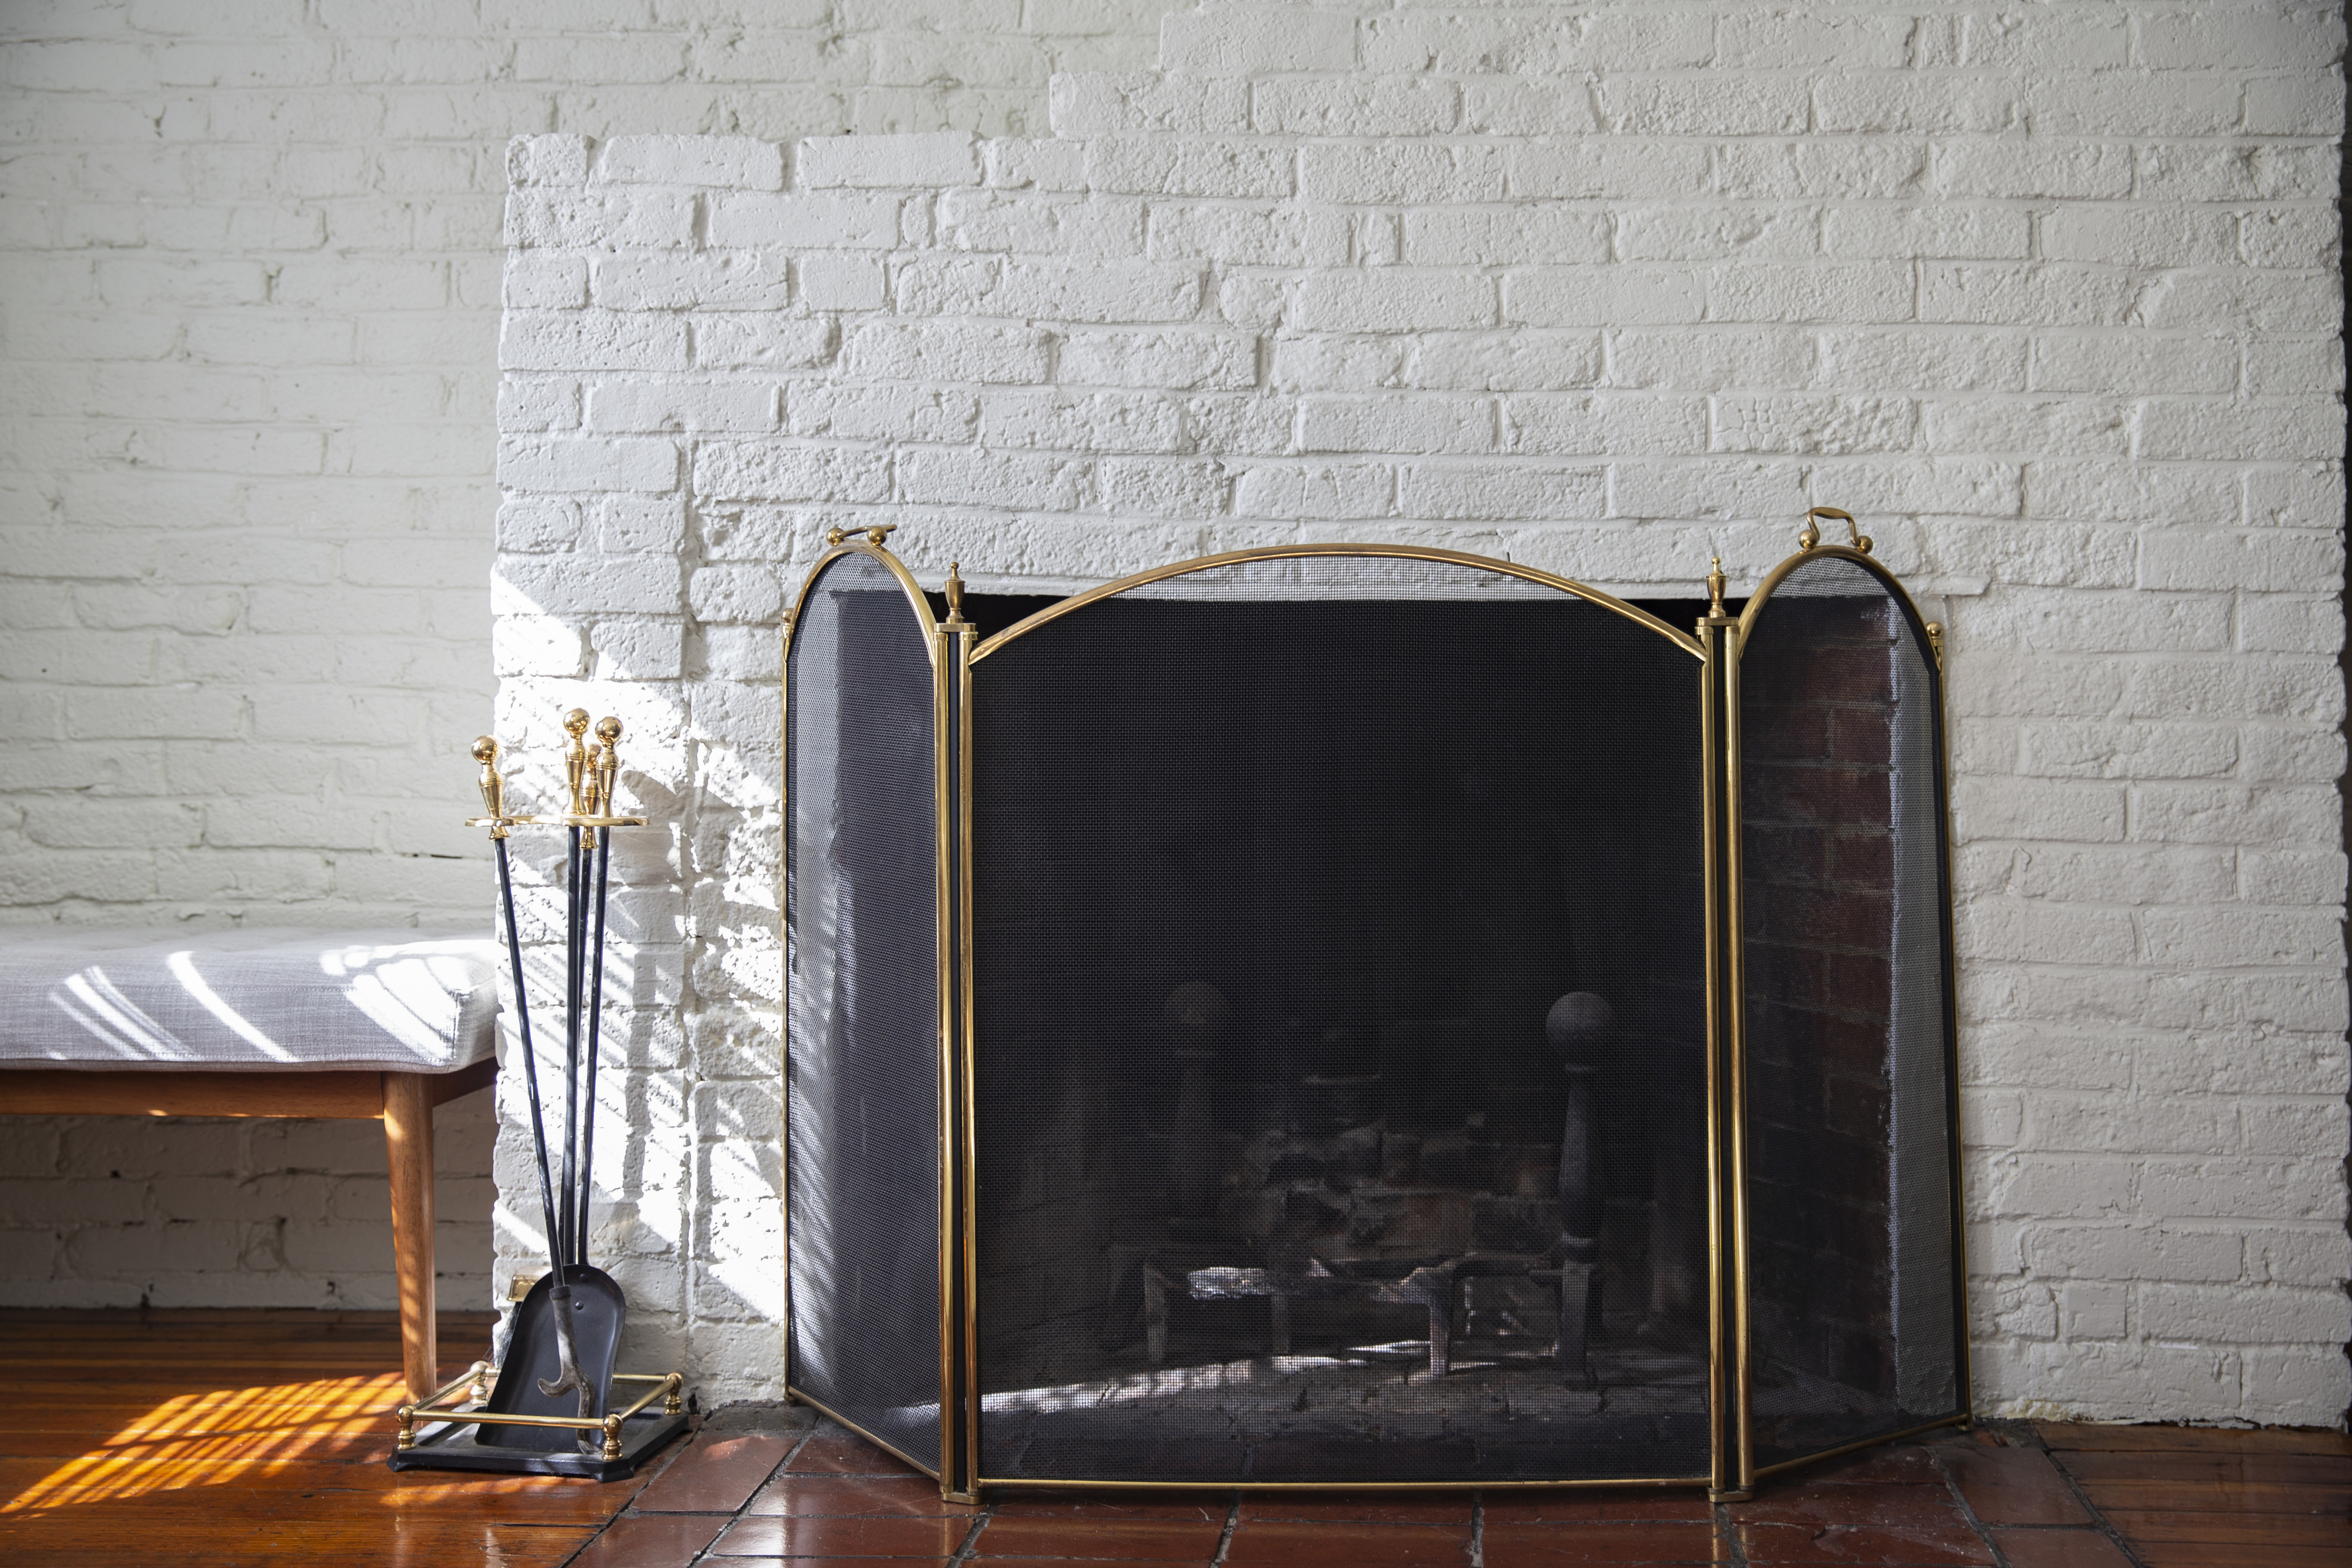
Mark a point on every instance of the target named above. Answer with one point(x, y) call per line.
point(2050, 293)
point(115, 1211)
point(2050, 289)
point(248, 335)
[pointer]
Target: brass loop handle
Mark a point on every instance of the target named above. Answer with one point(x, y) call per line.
point(1812, 534)
point(875, 533)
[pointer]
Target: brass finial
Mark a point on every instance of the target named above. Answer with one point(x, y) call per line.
point(955, 594)
point(575, 760)
point(605, 765)
point(880, 532)
point(494, 788)
point(835, 536)
point(1936, 642)
point(1714, 581)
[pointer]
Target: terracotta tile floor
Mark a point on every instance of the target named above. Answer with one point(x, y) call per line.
point(2011, 1495)
point(258, 1438)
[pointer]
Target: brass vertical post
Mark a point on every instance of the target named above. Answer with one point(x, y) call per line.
point(784, 990)
point(959, 1399)
point(1731, 1470)
point(1964, 1354)
point(968, 1109)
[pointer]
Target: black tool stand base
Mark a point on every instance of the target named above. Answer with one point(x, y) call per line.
point(450, 1445)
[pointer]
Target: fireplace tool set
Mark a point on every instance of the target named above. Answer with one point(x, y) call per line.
point(553, 1394)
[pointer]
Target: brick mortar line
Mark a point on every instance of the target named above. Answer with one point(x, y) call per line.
point(1968, 1510)
point(680, 1453)
point(1225, 1536)
point(793, 1453)
point(1726, 1532)
point(628, 1510)
point(2099, 1519)
point(970, 1546)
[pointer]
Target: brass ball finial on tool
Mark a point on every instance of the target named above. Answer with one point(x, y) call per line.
point(604, 766)
point(575, 760)
point(493, 787)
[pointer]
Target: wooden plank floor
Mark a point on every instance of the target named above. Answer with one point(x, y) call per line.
point(247, 1438)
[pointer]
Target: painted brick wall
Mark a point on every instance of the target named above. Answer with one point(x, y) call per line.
point(243, 240)
point(117, 1211)
point(2049, 293)
point(249, 270)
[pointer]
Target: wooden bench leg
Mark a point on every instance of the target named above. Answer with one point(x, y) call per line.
point(408, 1147)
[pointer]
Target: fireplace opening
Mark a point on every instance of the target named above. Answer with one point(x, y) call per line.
point(1303, 988)
point(1280, 894)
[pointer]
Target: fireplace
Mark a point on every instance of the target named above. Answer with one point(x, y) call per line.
point(1369, 1015)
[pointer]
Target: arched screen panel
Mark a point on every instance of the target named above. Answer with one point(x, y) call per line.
point(862, 1032)
point(1855, 1309)
point(1288, 1152)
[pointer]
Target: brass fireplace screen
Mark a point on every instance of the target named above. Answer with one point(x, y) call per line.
point(1364, 1014)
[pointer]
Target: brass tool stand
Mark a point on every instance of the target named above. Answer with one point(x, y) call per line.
point(465, 1424)
point(629, 1434)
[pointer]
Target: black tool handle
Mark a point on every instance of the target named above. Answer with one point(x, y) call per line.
point(529, 1066)
point(565, 1194)
point(596, 1033)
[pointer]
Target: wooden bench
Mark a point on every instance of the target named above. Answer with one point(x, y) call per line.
point(366, 1025)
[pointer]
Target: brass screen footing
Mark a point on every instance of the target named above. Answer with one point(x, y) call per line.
point(1714, 1496)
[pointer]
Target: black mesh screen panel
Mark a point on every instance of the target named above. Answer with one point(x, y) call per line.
point(1339, 1035)
point(1844, 887)
point(863, 1016)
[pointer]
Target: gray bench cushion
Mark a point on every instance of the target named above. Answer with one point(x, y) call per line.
point(274, 1000)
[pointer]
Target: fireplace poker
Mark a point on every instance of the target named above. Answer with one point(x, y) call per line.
point(576, 775)
point(486, 752)
point(604, 771)
point(567, 1378)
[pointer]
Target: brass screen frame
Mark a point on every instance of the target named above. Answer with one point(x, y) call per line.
point(942, 1468)
point(1929, 638)
point(1054, 611)
point(954, 647)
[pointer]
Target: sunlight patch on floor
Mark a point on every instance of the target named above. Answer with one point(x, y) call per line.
point(211, 1437)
